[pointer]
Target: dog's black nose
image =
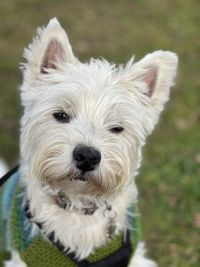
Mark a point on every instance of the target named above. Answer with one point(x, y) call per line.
point(86, 158)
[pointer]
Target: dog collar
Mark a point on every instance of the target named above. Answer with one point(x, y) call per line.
point(64, 202)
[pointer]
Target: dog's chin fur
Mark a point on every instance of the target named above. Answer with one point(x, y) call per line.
point(75, 183)
point(98, 97)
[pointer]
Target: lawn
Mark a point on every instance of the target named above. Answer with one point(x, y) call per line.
point(169, 181)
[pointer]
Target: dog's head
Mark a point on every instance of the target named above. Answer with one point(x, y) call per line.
point(84, 124)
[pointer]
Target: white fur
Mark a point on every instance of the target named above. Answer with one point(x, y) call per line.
point(98, 96)
point(139, 259)
point(3, 168)
point(15, 261)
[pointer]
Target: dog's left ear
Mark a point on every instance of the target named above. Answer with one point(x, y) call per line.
point(152, 78)
point(49, 48)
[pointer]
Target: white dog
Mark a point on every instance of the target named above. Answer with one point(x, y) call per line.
point(82, 132)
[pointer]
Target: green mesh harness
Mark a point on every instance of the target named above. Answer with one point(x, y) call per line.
point(37, 251)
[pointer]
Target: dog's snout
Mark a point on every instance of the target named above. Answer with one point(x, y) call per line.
point(86, 158)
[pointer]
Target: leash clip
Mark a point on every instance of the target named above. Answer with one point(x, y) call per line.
point(111, 226)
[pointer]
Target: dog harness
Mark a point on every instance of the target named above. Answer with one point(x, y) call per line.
point(37, 250)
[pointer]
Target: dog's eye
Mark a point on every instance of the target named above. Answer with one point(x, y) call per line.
point(117, 129)
point(61, 116)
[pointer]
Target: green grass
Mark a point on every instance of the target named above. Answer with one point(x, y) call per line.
point(169, 180)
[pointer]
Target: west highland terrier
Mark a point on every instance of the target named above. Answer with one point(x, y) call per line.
point(73, 200)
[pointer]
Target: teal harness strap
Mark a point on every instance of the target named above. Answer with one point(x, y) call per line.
point(5, 202)
point(36, 251)
point(5, 205)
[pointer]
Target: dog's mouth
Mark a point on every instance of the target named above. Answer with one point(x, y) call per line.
point(78, 176)
point(81, 178)
point(75, 182)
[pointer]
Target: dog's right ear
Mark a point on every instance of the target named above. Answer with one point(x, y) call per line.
point(50, 48)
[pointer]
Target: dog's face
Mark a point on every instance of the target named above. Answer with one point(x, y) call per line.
point(84, 124)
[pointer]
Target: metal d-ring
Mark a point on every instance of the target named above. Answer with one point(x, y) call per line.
point(111, 225)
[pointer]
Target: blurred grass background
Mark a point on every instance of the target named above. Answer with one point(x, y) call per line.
point(169, 179)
